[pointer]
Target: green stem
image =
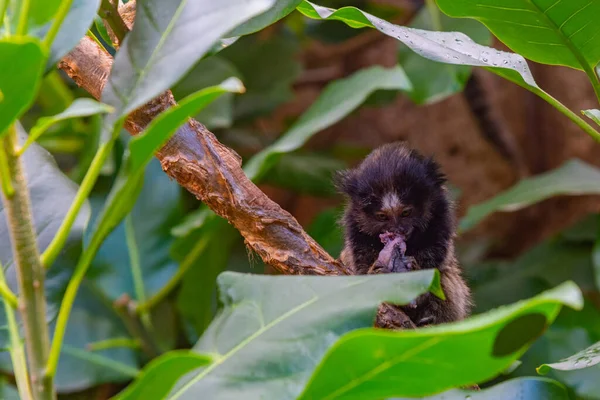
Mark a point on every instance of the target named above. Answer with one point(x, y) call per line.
point(189, 260)
point(112, 343)
point(86, 257)
point(3, 8)
point(5, 181)
point(587, 128)
point(30, 272)
point(110, 13)
point(7, 295)
point(59, 17)
point(67, 303)
point(136, 271)
point(53, 250)
point(23, 17)
point(17, 352)
point(434, 12)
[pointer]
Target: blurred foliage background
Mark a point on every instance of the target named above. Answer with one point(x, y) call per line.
point(487, 134)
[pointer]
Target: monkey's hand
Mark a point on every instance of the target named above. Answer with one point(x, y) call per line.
point(392, 257)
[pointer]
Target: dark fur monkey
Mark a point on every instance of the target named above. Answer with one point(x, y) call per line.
point(399, 217)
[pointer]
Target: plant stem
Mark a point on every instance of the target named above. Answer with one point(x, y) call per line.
point(17, 352)
point(188, 261)
point(7, 295)
point(23, 16)
point(110, 13)
point(59, 17)
point(136, 271)
point(5, 181)
point(30, 272)
point(53, 250)
point(3, 8)
point(587, 128)
point(112, 343)
point(434, 12)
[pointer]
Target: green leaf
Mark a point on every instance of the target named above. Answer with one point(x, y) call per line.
point(446, 47)
point(336, 101)
point(51, 194)
point(21, 64)
point(142, 147)
point(449, 48)
point(584, 359)
point(520, 388)
point(79, 108)
point(268, 68)
point(75, 25)
point(161, 374)
point(7, 391)
point(545, 31)
point(209, 72)
point(374, 364)
point(156, 210)
point(433, 81)
point(274, 329)
point(159, 50)
point(209, 250)
point(269, 17)
point(306, 173)
point(326, 230)
point(93, 318)
point(594, 115)
point(573, 178)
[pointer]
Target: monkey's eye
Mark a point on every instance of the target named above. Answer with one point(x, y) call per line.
point(406, 212)
point(381, 216)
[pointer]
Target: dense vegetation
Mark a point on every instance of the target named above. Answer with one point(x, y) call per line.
point(112, 272)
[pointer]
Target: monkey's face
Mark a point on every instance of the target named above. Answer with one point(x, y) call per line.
point(392, 190)
point(390, 211)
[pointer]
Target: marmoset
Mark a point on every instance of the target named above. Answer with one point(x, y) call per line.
point(399, 217)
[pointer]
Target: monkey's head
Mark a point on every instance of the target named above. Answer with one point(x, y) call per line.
point(394, 189)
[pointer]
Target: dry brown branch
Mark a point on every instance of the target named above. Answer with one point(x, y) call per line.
point(213, 173)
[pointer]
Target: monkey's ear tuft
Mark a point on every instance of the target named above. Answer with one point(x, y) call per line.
point(435, 172)
point(345, 182)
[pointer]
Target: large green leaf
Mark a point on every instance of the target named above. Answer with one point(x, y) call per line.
point(142, 147)
point(337, 101)
point(21, 64)
point(546, 31)
point(520, 388)
point(279, 10)
point(79, 108)
point(573, 178)
point(274, 329)
point(152, 216)
point(449, 48)
point(161, 374)
point(168, 38)
point(208, 250)
point(268, 68)
point(209, 72)
point(93, 318)
point(78, 20)
point(584, 359)
point(308, 173)
point(433, 81)
point(446, 47)
point(374, 364)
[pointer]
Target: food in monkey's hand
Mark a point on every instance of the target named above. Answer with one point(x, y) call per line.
point(392, 257)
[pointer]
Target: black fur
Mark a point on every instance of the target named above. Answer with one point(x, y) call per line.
point(418, 185)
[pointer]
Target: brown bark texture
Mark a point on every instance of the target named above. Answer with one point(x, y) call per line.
point(213, 173)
